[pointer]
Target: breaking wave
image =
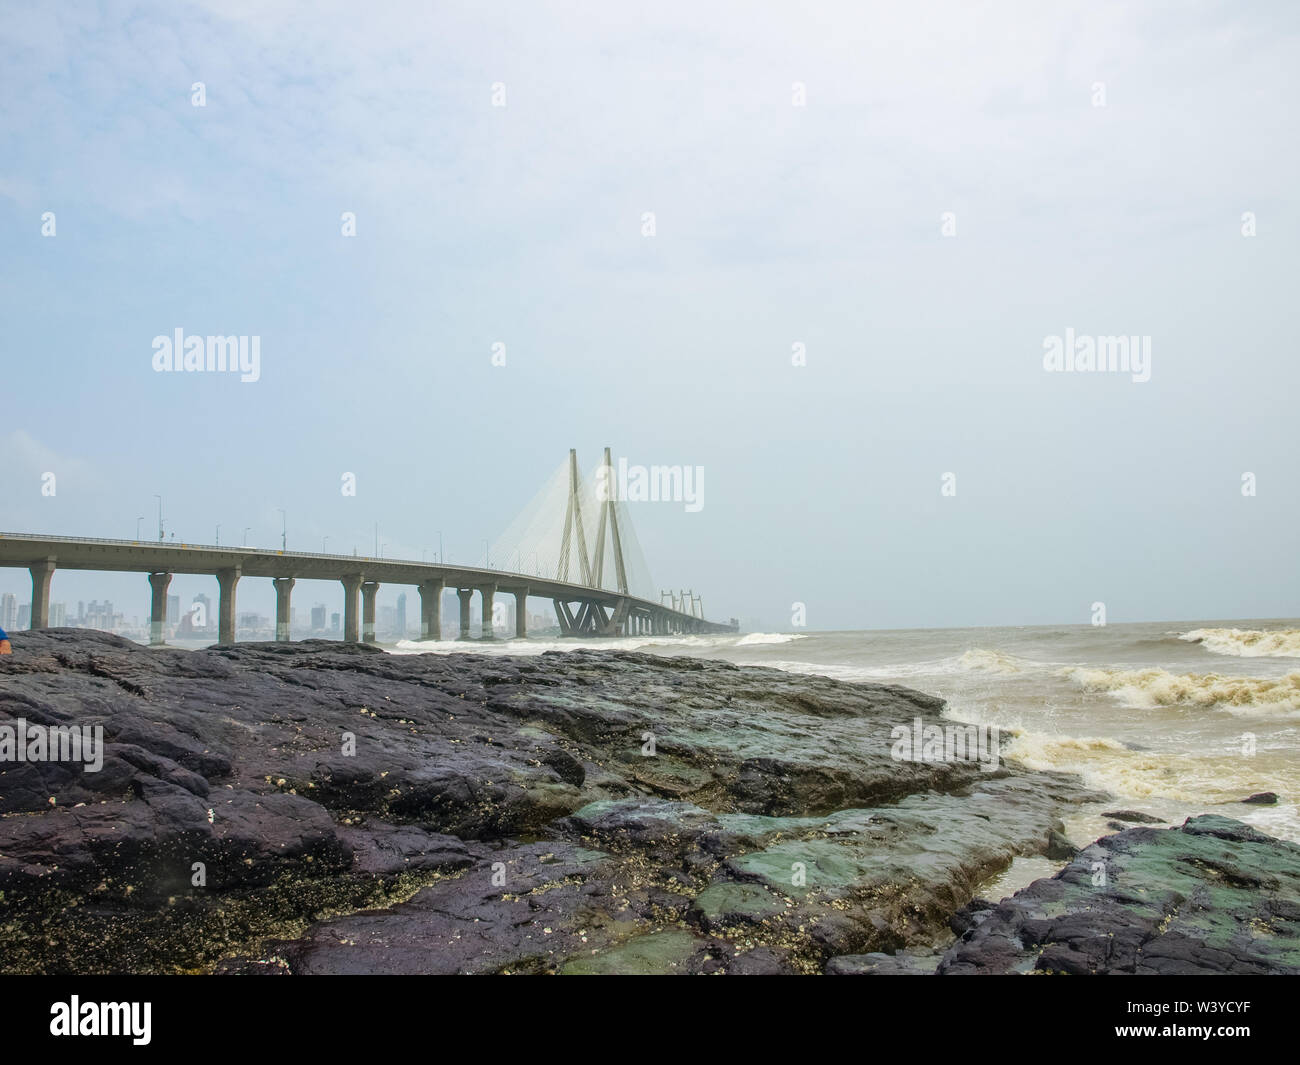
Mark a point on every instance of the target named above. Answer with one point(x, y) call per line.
point(755, 638)
point(1247, 643)
point(1146, 689)
point(983, 661)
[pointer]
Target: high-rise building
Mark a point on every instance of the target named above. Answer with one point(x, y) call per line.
point(334, 622)
point(8, 611)
point(204, 617)
point(58, 615)
point(386, 622)
point(24, 616)
point(318, 618)
point(173, 609)
point(399, 625)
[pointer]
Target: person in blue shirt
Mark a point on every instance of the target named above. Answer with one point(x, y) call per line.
point(5, 648)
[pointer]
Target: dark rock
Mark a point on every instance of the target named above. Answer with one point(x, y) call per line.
point(970, 915)
point(1059, 848)
point(325, 808)
point(1262, 798)
point(1211, 897)
point(1134, 817)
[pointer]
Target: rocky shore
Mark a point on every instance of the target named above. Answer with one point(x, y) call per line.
point(322, 808)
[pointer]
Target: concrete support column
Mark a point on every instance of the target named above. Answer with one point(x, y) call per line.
point(158, 607)
point(283, 589)
point(521, 614)
point(488, 591)
point(465, 595)
point(351, 585)
point(368, 591)
point(41, 573)
point(226, 581)
point(431, 609)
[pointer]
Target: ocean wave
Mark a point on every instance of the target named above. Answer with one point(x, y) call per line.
point(756, 638)
point(1146, 689)
point(979, 660)
point(1110, 766)
point(1247, 643)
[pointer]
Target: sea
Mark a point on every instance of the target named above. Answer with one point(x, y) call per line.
point(1173, 719)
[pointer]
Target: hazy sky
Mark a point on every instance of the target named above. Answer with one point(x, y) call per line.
point(775, 224)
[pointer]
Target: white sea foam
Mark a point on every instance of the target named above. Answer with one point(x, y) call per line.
point(1145, 689)
point(1247, 643)
point(980, 660)
point(756, 638)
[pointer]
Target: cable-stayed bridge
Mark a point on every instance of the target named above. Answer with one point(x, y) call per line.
point(574, 544)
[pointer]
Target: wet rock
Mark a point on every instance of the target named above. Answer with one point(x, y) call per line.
point(1134, 817)
point(1059, 848)
point(1212, 896)
point(323, 808)
point(1262, 798)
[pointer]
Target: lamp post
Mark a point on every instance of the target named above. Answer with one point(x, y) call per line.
point(218, 544)
point(137, 527)
point(247, 530)
point(284, 529)
point(160, 521)
point(324, 544)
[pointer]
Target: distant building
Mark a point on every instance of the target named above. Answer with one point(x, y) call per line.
point(318, 617)
point(204, 618)
point(400, 624)
point(173, 609)
point(198, 620)
point(8, 611)
point(58, 615)
point(99, 615)
point(24, 616)
point(334, 622)
point(386, 622)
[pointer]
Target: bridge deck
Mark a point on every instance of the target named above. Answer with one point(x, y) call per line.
point(143, 556)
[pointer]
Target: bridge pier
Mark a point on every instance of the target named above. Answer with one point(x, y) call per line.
point(368, 591)
point(465, 595)
point(487, 592)
point(283, 589)
point(431, 609)
point(158, 582)
point(351, 585)
point(521, 614)
point(226, 581)
point(41, 573)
